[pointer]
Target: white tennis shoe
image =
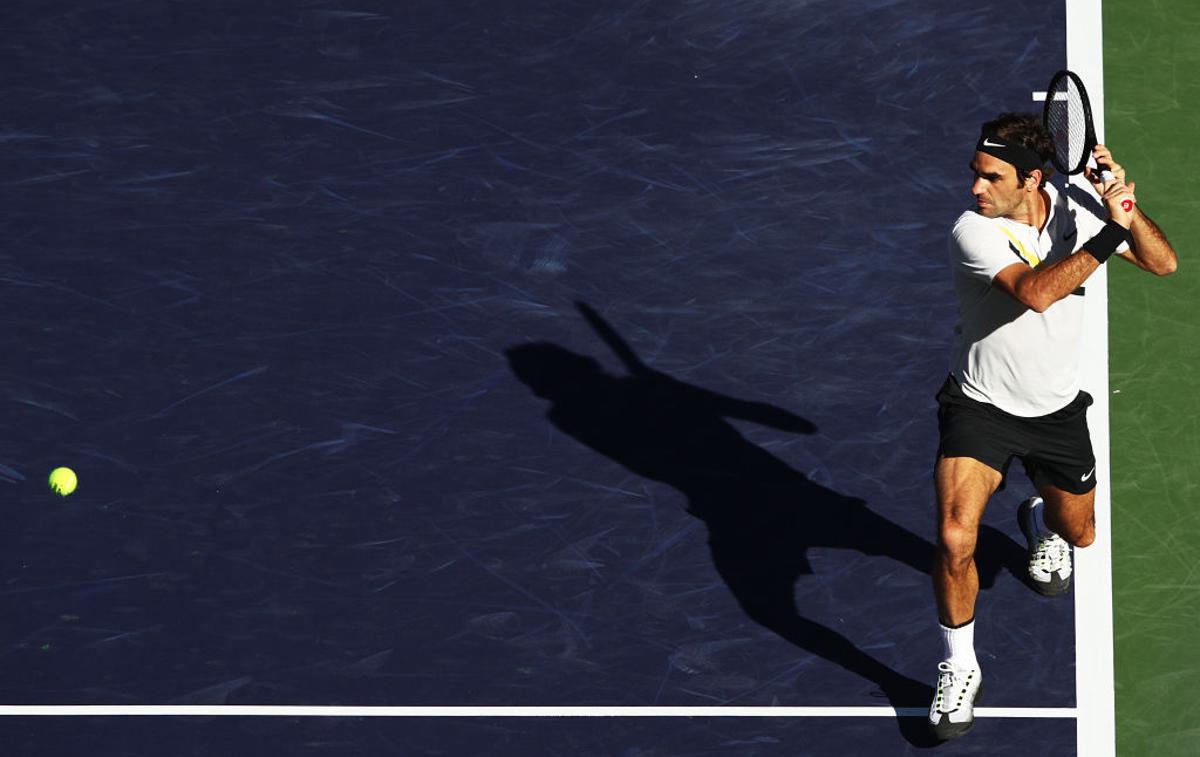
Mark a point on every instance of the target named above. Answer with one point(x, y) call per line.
point(1049, 553)
point(952, 712)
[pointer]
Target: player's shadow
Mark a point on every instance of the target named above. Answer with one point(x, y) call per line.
point(762, 515)
point(998, 551)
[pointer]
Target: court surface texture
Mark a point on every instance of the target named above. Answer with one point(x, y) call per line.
point(560, 356)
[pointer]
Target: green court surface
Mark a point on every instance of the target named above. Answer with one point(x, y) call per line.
point(1152, 85)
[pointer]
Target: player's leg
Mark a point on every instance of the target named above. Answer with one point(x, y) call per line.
point(964, 486)
point(1052, 524)
point(1071, 516)
point(975, 446)
point(1063, 469)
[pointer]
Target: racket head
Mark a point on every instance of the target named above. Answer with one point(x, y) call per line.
point(1067, 115)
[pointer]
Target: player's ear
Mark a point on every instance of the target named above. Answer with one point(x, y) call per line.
point(1034, 180)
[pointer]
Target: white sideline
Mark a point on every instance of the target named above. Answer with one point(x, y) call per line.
point(1094, 680)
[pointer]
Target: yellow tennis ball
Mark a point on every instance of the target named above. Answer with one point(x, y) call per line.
point(63, 481)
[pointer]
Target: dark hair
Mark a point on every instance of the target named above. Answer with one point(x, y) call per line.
point(1027, 130)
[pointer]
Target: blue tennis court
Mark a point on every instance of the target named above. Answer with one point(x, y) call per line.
point(490, 355)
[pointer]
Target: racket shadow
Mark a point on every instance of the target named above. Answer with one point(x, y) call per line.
point(762, 515)
point(1087, 200)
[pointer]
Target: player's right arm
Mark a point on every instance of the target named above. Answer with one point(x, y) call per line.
point(1039, 288)
point(981, 251)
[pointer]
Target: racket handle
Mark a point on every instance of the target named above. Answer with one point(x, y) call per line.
point(1106, 176)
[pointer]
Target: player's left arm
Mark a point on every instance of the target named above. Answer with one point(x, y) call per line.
point(1150, 249)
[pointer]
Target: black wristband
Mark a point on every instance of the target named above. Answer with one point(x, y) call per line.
point(1103, 245)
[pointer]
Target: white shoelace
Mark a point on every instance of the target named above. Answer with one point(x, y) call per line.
point(951, 688)
point(1052, 553)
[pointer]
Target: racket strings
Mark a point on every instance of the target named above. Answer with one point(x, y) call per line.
point(1066, 118)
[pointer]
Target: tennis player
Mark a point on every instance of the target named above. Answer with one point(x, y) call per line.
point(1020, 260)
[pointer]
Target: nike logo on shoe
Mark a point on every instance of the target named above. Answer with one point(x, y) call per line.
point(1087, 475)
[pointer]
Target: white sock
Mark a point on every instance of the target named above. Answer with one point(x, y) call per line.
point(960, 645)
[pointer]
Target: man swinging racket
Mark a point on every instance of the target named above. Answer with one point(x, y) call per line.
point(1020, 260)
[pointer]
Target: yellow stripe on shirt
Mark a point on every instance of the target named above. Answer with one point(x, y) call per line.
point(1033, 260)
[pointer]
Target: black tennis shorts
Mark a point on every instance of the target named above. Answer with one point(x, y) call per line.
point(1055, 448)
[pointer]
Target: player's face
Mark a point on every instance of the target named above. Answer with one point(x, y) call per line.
point(997, 192)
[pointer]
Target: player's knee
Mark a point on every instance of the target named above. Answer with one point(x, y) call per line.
point(956, 542)
point(1082, 537)
point(1078, 532)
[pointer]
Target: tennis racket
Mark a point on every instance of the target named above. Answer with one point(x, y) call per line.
point(614, 341)
point(1067, 115)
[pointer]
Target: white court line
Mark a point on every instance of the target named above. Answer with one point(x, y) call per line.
point(1094, 684)
point(290, 711)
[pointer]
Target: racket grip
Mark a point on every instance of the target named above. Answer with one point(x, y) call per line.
point(1106, 176)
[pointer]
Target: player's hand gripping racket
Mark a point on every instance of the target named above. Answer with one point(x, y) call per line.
point(1067, 115)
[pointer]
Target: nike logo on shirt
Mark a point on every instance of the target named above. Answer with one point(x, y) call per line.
point(1070, 235)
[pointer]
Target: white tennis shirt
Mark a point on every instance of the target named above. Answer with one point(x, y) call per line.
point(1023, 362)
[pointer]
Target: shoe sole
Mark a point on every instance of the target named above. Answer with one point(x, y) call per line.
point(1055, 588)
